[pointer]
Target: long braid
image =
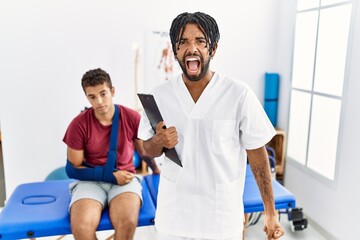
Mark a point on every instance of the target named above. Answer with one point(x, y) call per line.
point(206, 23)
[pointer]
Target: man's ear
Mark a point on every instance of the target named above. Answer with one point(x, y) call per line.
point(112, 91)
point(214, 50)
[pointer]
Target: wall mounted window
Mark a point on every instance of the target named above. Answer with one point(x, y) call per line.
point(318, 75)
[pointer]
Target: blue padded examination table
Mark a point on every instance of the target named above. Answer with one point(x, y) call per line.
point(41, 209)
point(251, 197)
point(284, 199)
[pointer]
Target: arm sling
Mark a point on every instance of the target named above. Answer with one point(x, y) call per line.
point(99, 173)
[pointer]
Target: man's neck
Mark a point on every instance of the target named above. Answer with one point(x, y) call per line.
point(106, 119)
point(196, 88)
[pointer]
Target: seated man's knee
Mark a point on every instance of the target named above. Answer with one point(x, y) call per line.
point(124, 211)
point(84, 229)
point(85, 215)
point(85, 225)
point(125, 229)
point(126, 224)
point(130, 223)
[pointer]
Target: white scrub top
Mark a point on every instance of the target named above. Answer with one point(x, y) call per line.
point(204, 198)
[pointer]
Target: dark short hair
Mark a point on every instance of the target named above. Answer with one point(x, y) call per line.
point(206, 23)
point(95, 77)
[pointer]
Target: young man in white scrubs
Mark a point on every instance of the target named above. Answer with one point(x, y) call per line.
point(215, 123)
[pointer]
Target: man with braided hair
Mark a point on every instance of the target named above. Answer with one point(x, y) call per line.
point(88, 140)
point(215, 123)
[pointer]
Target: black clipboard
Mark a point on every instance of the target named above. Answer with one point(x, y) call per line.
point(152, 112)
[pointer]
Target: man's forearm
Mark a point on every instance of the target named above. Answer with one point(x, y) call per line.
point(259, 164)
point(152, 164)
point(97, 173)
point(263, 180)
point(153, 148)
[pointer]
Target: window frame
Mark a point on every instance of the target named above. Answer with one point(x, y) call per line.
point(304, 167)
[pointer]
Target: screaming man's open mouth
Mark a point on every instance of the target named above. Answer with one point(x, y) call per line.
point(192, 63)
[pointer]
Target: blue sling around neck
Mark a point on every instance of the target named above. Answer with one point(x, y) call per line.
point(100, 173)
point(111, 160)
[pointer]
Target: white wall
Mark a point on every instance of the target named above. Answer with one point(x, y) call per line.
point(334, 206)
point(46, 46)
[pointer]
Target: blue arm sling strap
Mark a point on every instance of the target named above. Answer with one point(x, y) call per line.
point(99, 173)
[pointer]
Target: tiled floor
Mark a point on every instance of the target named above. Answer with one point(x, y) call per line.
point(310, 233)
point(252, 233)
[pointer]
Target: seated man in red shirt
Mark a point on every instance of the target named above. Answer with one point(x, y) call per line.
point(88, 140)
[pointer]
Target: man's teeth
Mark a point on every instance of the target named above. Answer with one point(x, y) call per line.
point(192, 59)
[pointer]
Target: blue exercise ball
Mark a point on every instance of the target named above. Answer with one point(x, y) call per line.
point(136, 159)
point(57, 174)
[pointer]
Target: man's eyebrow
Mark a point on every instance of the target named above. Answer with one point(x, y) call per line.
point(184, 38)
point(91, 94)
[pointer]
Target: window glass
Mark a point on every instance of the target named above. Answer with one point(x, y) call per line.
point(331, 51)
point(325, 117)
point(329, 2)
point(298, 126)
point(304, 50)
